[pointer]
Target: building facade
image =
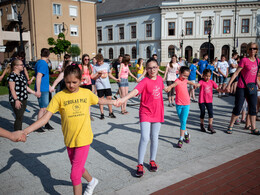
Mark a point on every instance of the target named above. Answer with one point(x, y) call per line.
point(44, 19)
point(183, 27)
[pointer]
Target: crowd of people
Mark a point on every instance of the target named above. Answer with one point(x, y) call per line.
point(80, 86)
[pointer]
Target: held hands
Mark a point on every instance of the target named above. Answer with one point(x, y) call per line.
point(118, 102)
point(30, 81)
point(167, 89)
point(51, 89)
point(38, 94)
point(227, 89)
point(18, 136)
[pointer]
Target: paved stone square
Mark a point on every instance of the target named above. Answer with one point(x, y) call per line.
point(41, 165)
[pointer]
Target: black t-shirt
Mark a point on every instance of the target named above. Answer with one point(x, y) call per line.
point(20, 86)
point(116, 66)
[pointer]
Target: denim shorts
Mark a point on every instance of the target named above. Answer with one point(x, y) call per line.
point(222, 80)
point(44, 99)
point(123, 82)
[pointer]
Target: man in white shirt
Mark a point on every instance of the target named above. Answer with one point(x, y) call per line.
point(223, 72)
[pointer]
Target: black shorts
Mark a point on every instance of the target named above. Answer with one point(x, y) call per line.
point(87, 87)
point(104, 92)
point(236, 79)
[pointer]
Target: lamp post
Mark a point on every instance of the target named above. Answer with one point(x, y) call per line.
point(181, 43)
point(18, 4)
point(209, 32)
point(235, 28)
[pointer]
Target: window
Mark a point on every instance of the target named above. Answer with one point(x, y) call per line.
point(122, 51)
point(148, 30)
point(148, 52)
point(110, 51)
point(189, 26)
point(134, 52)
point(226, 26)
point(73, 30)
point(171, 28)
point(245, 26)
point(57, 29)
point(100, 50)
point(243, 50)
point(56, 9)
point(99, 31)
point(110, 34)
point(73, 11)
point(133, 32)
point(171, 51)
point(121, 33)
point(1, 12)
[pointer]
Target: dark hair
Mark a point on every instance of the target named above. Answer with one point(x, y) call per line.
point(195, 60)
point(233, 54)
point(174, 55)
point(65, 64)
point(73, 69)
point(88, 64)
point(126, 59)
point(205, 55)
point(14, 63)
point(139, 60)
point(21, 54)
point(67, 56)
point(223, 56)
point(154, 55)
point(206, 71)
point(99, 57)
point(184, 68)
point(120, 56)
point(149, 61)
point(45, 52)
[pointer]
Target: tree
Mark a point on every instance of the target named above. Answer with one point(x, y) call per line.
point(60, 46)
point(74, 50)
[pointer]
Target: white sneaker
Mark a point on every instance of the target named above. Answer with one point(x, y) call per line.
point(90, 188)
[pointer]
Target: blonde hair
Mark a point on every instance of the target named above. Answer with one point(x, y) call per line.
point(249, 45)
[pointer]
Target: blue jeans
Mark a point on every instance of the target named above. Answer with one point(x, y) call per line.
point(183, 112)
point(44, 99)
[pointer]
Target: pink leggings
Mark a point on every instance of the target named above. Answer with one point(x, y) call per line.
point(78, 157)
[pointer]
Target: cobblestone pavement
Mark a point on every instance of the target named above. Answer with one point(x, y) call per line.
point(41, 165)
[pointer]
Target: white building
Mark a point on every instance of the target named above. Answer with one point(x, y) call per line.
point(142, 28)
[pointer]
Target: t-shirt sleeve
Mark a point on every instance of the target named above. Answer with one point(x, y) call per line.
point(94, 70)
point(93, 98)
point(215, 86)
point(42, 68)
point(140, 86)
point(11, 78)
point(55, 104)
point(218, 65)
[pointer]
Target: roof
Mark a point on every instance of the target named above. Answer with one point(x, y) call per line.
point(109, 7)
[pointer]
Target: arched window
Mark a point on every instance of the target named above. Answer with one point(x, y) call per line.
point(171, 51)
point(100, 50)
point(243, 49)
point(111, 56)
point(225, 51)
point(122, 51)
point(148, 52)
point(134, 52)
point(188, 53)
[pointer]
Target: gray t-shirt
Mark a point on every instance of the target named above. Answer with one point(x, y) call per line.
point(232, 61)
point(103, 81)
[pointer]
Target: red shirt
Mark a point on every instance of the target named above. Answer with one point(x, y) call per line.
point(248, 72)
point(206, 91)
point(182, 94)
point(151, 105)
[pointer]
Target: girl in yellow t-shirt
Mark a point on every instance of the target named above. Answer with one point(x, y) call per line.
point(73, 104)
point(140, 67)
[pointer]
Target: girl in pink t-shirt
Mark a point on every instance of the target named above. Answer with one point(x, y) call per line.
point(123, 83)
point(206, 98)
point(182, 101)
point(151, 113)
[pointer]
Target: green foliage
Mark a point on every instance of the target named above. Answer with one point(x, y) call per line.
point(74, 50)
point(60, 46)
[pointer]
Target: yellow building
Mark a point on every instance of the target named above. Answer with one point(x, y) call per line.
point(47, 18)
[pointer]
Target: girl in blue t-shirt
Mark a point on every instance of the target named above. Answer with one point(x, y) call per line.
point(192, 78)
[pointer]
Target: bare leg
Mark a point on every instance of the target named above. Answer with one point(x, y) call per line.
point(42, 111)
point(101, 107)
point(210, 121)
point(232, 120)
point(77, 189)
point(109, 106)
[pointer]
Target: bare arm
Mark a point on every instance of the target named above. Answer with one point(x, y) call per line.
point(57, 80)
point(38, 84)
point(26, 73)
point(103, 101)
point(30, 90)
point(131, 74)
point(166, 72)
point(233, 78)
point(198, 73)
point(112, 77)
point(39, 123)
point(133, 93)
point(13, 136)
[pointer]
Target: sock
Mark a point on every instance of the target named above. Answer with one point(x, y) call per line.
point(181, 138)
point(186, 133)
point(92, 181)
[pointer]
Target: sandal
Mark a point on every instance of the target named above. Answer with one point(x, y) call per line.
point(255, 132)
point(229, 130)
point(248, 127)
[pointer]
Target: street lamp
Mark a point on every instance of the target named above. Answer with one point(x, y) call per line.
point(17, 4)
point(235, 28)
point(209, 32)
point(181, 43)
point(64, 28)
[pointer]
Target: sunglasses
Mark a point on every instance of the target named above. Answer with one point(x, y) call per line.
point(253, 48)
point(86, 59)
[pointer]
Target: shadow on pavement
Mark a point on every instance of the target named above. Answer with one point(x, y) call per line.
point(37, 168)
